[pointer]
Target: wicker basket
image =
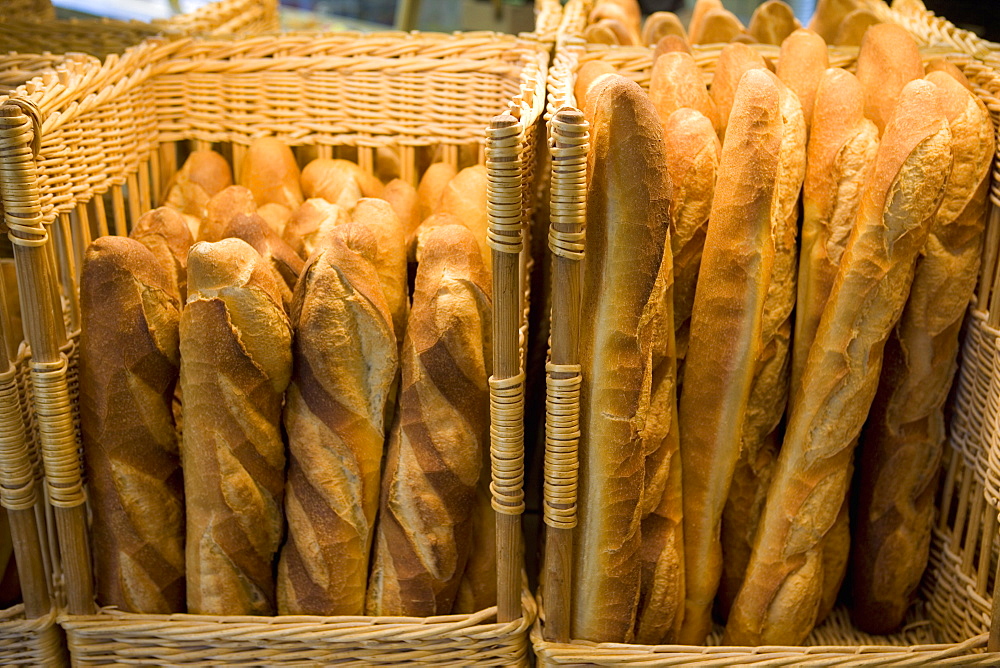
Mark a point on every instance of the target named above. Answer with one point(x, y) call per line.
point(931, 30)
point(30, 9)
point(950, 624)
point(85, 155)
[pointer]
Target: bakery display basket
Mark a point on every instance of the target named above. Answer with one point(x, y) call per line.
point(951, 622)
point(33, 9)
point(84, 154)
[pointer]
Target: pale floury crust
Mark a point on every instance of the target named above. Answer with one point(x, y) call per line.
point(588, 73)
point(728, 306)
point(888, 60)
point(676, 81)
point(701, 7)
point(854, 26)
point(801, 65)
point(270, 172)
point(772, 22)
point(202, 176)
point(336, 180)
point(784, 584)
point(278, 255)
point(165, 232)
point(307, 222)
point(660, 24)
point(432, 185)
point(465, 197)
point(718, 26)
point(734, 61)
point(222, 209)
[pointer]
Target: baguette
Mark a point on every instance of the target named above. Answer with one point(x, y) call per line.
point(828, 16)
point(478, 587)
point(439, 435)
point(270, 173)
point(166, 234)
point(402, 197)
point(676, 81)
point(692, 150)
point(772, 22)
point(718, 26)
point(586, 76)
point(128, 370)
point(625, 25)
point(432, 185)
point(465, 198)
point(660, 24)
point(236, 362)
point(279, 256)
point(801, 65)
point(202, 176)
point(222, 209)
point(841, 155)
point(671, 44)
point(769, 395)
point(728, 306)
point(624, 421)
point(338, 181)
point(888, 60)
point(942, 65)
point(345, 368)
point(701, 7)
point(782, 589)
point(734, 61)
point(902, 446)
point(854, 26)
point(276, 216)
point(309, 222)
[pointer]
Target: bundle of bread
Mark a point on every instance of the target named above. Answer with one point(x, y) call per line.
point(619, 22)
point(243, 327)
point(892, 166)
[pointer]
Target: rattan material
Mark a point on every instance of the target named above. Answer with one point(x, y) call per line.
point(29, 9)
point(548, 17)
point(108, 136)
point(931, 30)
point(30, 642)
point(950, 623)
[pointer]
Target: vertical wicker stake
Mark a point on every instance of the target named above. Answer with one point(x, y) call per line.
point(20, 126)
point(506, 238)
point(994, 642)
point(17, 490)
point(562, 404)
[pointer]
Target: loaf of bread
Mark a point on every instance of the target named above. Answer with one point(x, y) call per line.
point(625, 296)
point(338, 181)
point(734, 61)
point(627, 13)
point(717, 26)
point(166, 234)
point(478, 586)
point(129, 361)
point(769, 395)
point(402, 197)
point(902, 446)
point(236, 361)
point(309, 222)
point(772, 22)
point(729, 304)
point(465, 198)
point(660, 24)
point(828, 16)
point(276, 216)
point(854, 26)
point(676, 81)
point(202, 176)
point(842, 150)
point(269, 171)
point(344, 373)
point(701, 7)
point(432, 184)
point(279, 256)
point(435, 456)
point(942, 65)
point(801, 65)
point(782, 589)
point(692, 150)
point(671, 44)
point(888, 60)
point(588, 73)
point(222, 209)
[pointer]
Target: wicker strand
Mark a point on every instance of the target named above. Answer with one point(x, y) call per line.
point(504, 188)
point(562, 438)
point(507, 444)
point(57, 434)
point(17, 476)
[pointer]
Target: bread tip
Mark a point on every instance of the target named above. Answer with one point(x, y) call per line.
point(220, 264)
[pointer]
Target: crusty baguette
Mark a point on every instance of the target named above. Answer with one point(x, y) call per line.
point(438, 438)
point(235, 365)
point(629, 12)
point(942, 65)
point(717, 26)
point(728, 306)
point(769, 395)
point(465, 198)
point(222, 208)
point(307, 223)
point(478, 586)
point(671, 44)
point(588, 73)
point(334, 179)
point(432, 184)
point(801, 65)
point(692, 149)
point(606, 31)
point(701, 7)
point(129, 363)
point(842, 150)
point(854, 26)
point(202, 176)
point(344, 370)
point(626, 283)
point(276, 216)
point(621, 21)
point(783, 585)
point(772, 22)
point(676, 81)
point(387, 166)
point(888, 60)
point(278, 255)
point(734, 61)
point(403, 199)
point(271, 174)
point(166, 234)
point(901, 450)
point(660, 24)
point(828, 16)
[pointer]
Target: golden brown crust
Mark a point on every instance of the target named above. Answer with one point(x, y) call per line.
point(888, 60)
point(948, 67)
point(236, 361)
point(478, 587)
point(782, 591)
point(625, 290)
point(128, 370)
point(202, 176)
point(404, 201)
point(854, 26)
point(465, 198)
point(801, 65)
point(222, 209)
point(278, 255)
point(308, 222)
point(718, 26)
point(772, 22)
point(729, 305)
point(660, 24)
point(619, 20)
point(896, 508)
point(276, 216)
point(432, 185)
point(337, 180)
point(439, 435)
point(270, 172)
point(588, 73)
point(676, 81)
point(734, 61)
point(671, 44)
point(343, 380)
point(166, 234)
point(828, 16)
point(701, 7)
